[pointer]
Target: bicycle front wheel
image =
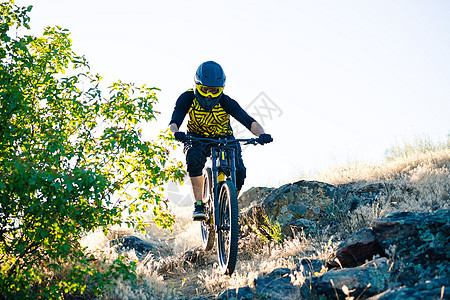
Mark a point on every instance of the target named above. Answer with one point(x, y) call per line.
point(228, 227)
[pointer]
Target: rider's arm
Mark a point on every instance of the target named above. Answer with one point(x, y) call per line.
point(257, 129)
point(182, 106)
point(236, 111)
point(173, 127)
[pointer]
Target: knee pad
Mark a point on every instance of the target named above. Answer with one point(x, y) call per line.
point(195, 160)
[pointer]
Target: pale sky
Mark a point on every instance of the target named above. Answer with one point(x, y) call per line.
point(345, 80)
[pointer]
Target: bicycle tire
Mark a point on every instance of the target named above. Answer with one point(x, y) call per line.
point(228, 227)
point(206, 226)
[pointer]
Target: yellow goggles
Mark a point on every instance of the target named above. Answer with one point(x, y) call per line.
point(206, 91)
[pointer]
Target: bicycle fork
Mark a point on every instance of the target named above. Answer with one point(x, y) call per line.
point(222, 163)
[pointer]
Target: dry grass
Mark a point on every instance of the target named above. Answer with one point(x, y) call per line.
point(415, 181)
point(415, 166)
point(201, 278)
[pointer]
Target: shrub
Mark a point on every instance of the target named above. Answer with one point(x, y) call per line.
point(71, 160)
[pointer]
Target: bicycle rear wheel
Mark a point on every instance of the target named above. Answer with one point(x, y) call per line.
point(228, 227)
point(206, 226)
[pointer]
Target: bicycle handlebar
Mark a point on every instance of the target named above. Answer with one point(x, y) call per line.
point(252, 141)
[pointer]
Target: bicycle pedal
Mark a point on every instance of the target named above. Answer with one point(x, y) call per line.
point(199, 218)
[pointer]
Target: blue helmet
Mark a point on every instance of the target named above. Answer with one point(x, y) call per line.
point(209, 75)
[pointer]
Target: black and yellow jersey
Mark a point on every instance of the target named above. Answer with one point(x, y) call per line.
point(209, 123)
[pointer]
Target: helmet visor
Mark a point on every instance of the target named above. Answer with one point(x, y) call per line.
point(206, 91)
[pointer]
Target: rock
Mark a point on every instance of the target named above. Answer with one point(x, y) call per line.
point(302, 199)
point(418, 265)
point(141, 247)
point(308, 267)
point(276, 285)
point(280, 272)
point(371, 278)
point(369, 188)
point(303, 226)
point(437, 288)
point(254, 220)
point(253, 196)
point(368, 193)
point(310, 200)
point(411, 232)
point(239, 294)
point(421, 267)
point(418, 242)
point(358, 248)
point(275, 288)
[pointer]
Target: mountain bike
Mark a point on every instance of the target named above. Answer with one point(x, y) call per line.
point(220, 199)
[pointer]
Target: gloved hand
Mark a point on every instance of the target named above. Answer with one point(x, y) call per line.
point(265, 138)
point(180, 136)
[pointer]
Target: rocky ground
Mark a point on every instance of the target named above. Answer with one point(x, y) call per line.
point(404, 255)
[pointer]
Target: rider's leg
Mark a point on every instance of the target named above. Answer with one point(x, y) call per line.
point(197, 188)
point(195, 159)
point(241, 171)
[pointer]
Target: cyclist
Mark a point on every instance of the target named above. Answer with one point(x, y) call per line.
point(209, 112)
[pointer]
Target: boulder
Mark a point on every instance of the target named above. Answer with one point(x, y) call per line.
point(141, 248)
point(303, 226)
point(310, 200)
point(411, 233)
point(357, 249)
point(253, 196)
point(369, 279)
point(418, 242)
point(303, 199)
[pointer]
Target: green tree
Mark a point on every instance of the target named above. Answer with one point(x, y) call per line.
point(71, 160)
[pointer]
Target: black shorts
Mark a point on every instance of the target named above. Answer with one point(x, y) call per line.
point(196, 155)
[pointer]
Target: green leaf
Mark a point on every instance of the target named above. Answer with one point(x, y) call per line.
point(43, 233)
point(70, 187)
